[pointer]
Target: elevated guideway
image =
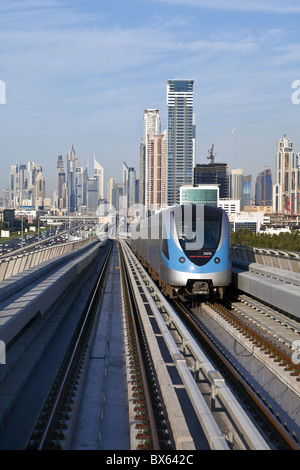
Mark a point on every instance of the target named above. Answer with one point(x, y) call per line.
point(181, 367)
point(37, 254)
point(31, 292)
point(272, 276)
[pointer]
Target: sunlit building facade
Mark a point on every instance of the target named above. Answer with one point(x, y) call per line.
point(151, 124)
point(181, 137)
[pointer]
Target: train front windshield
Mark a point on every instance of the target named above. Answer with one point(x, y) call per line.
point(199, 232)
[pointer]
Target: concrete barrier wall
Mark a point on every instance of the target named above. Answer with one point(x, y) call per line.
point(19, 263)
point(42, 295)
point(288, 261)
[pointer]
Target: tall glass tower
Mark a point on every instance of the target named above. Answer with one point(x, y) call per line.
point(263, 188)
point(70, 180)
point(181, 137)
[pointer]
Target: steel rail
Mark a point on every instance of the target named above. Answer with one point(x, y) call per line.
point(213, 435)
point(70, 361)
point(265, 411)
point(131, 309)
point(256, 337)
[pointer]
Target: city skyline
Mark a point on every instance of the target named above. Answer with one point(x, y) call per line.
point(82, 74)
point(77, 191)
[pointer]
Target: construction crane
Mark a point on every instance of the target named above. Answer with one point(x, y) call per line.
point(281, 150)
point(211, 155)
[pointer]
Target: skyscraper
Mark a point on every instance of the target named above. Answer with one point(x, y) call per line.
point(31, 175)
point(263, 188)
point(79, 186)
point(156, 171)
point(23, 183)
point(99, 174)
point(14, 186)
point(213, 173)
point(181, 137)
point(247, 190)
point(117, 195)
point(70, 180)
point(287, 179)
point(151, 123)
point(110, 185)
point(40, 191)
point(22, 187)
point(237, 186)
point(129, 185)
point(92, 193)
point(60, 183)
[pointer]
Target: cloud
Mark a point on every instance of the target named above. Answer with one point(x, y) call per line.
point(218, 47)
point(86, 64)
point(265, 6)
point(288, 54)
point(83, 72)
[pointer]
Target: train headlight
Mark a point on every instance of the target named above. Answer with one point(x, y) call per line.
point(182, 259)
point(217, 260)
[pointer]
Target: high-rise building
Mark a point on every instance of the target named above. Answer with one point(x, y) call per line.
point(237, 186)
point(5, 198)
point(213, 173)
point(22, 184)
point(151, 123)
point(181, 137)
point(156, 190)
point(70, 180)
point(247, 190)
point(76, 181)
point(129, 185)
point(117, 194)
point(79, 187)
point(30, 183)
point(263, 188)
point(34, 171)
point(109, 191)
point(39, 191)
point(99, 174)
point(125, 173)
point(287, 179)
point(13, 186)
point(60, 183)
point(92, 194)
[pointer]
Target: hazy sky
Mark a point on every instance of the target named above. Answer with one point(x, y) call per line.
point(82, 73)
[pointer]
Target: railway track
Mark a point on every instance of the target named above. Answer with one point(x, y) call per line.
point(179, 397)
point(276, 340)
point(197, 406)
point(145, 425)
point(28, 413)
point(283, 328)
point(259, 356)
point(51, 428)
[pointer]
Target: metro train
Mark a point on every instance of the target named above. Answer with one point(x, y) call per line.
point(186, 249)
